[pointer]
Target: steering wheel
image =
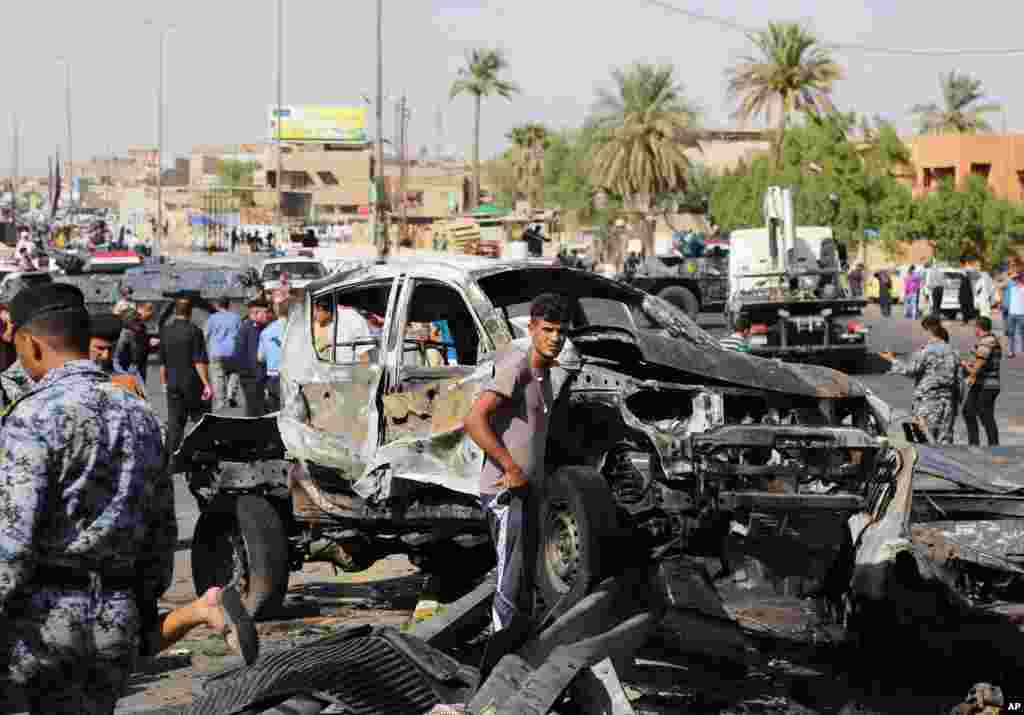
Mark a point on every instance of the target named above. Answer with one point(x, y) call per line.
point(422, 345)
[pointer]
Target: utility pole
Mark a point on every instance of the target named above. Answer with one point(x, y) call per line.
point(161, 100)
point(280, 101)
point(380, 232)
point(67, 113)
point(15, 166)
point(403, 114)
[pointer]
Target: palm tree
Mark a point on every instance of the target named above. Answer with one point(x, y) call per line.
point(959, 113)
point(881, 149)
point(480, 78)
point(792, 73)
point(642, 130)
point(530, 140)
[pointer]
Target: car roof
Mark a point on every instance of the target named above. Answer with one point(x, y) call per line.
point(456, 268)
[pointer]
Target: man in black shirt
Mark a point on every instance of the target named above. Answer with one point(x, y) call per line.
point(252, 374)
point(184, 371)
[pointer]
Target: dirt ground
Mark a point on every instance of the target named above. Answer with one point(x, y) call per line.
point(318, 602)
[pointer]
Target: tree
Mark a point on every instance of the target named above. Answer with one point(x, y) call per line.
point(480, 78)
point(641, 132)
point(882, 149)
point(233, 174)
point(960, 112)
point(792, 73)
point(530, 141)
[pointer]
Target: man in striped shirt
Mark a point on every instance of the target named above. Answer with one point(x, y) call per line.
point(740, 339)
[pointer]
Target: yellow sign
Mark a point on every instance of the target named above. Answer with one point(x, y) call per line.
point(323, 124)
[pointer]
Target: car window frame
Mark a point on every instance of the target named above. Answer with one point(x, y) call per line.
point(485, 347)
point(333, 294)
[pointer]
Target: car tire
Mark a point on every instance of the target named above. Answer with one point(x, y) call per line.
point(682, 298)
point(243, 540)
point(577, 521)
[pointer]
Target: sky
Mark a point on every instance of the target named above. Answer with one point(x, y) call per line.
point(221, 59)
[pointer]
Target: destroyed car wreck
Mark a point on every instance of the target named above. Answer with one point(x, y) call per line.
point(670, 459)
point(656, 432)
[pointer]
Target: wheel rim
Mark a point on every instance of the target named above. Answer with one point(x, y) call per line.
point(231, 561)
point(239, 574)
point(562, 546)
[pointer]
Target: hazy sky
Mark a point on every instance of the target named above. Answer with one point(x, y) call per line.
point(221, 61)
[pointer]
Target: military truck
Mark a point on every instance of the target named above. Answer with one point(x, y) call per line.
point(693, 285)
point(787, 280)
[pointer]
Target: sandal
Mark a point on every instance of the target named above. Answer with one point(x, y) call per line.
point(240, 632)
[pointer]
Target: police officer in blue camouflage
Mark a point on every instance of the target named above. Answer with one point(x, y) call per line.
point(935, 369)
point(87, 519)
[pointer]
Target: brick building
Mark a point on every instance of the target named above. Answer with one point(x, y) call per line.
point(999, 158)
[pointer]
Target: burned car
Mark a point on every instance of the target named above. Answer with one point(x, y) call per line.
point(659, 438)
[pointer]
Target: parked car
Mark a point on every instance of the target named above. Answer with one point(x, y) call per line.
point(300, 269)
point(657, 433)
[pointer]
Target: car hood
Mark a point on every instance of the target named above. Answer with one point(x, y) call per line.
point(714, 363)
point(231, 439)
point(997, 470)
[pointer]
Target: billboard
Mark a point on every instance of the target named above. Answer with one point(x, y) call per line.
point(321, 124)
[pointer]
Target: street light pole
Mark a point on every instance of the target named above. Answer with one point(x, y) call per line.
point(279, 219)
point(161, 100)
point(67, 112)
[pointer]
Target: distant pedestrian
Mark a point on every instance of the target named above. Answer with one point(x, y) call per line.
point(934, 281)
point(185, 370)
point(856, 279)
point(739, 341)
point(1014, 303)
point(251, 373)
point(984, 294)
point(222, 330)
point(269, 354)
point(884, 292)
point(911, 287)
point(935, 370)
point(983, 385)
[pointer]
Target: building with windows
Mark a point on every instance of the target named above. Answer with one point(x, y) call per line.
point(998, 158)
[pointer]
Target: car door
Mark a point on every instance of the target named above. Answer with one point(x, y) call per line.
point(432, 383)
point(330, 417)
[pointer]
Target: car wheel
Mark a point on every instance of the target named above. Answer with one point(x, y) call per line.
point(577, 520)
point(682, 298)
point(243, 542)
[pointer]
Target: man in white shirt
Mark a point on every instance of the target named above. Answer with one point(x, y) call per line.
point(984, 293)
point(351, 327)
point(934, 281)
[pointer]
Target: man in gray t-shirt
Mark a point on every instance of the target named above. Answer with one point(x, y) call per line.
point(509, 421)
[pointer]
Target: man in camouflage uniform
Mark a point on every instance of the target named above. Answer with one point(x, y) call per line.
point(935, 369)
point(86, 514)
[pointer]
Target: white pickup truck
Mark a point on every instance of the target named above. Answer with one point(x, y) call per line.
point(301, 271)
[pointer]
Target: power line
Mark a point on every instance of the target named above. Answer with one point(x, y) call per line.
point(849, 46)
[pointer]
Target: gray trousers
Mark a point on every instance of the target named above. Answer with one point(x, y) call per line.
point(225, 384)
